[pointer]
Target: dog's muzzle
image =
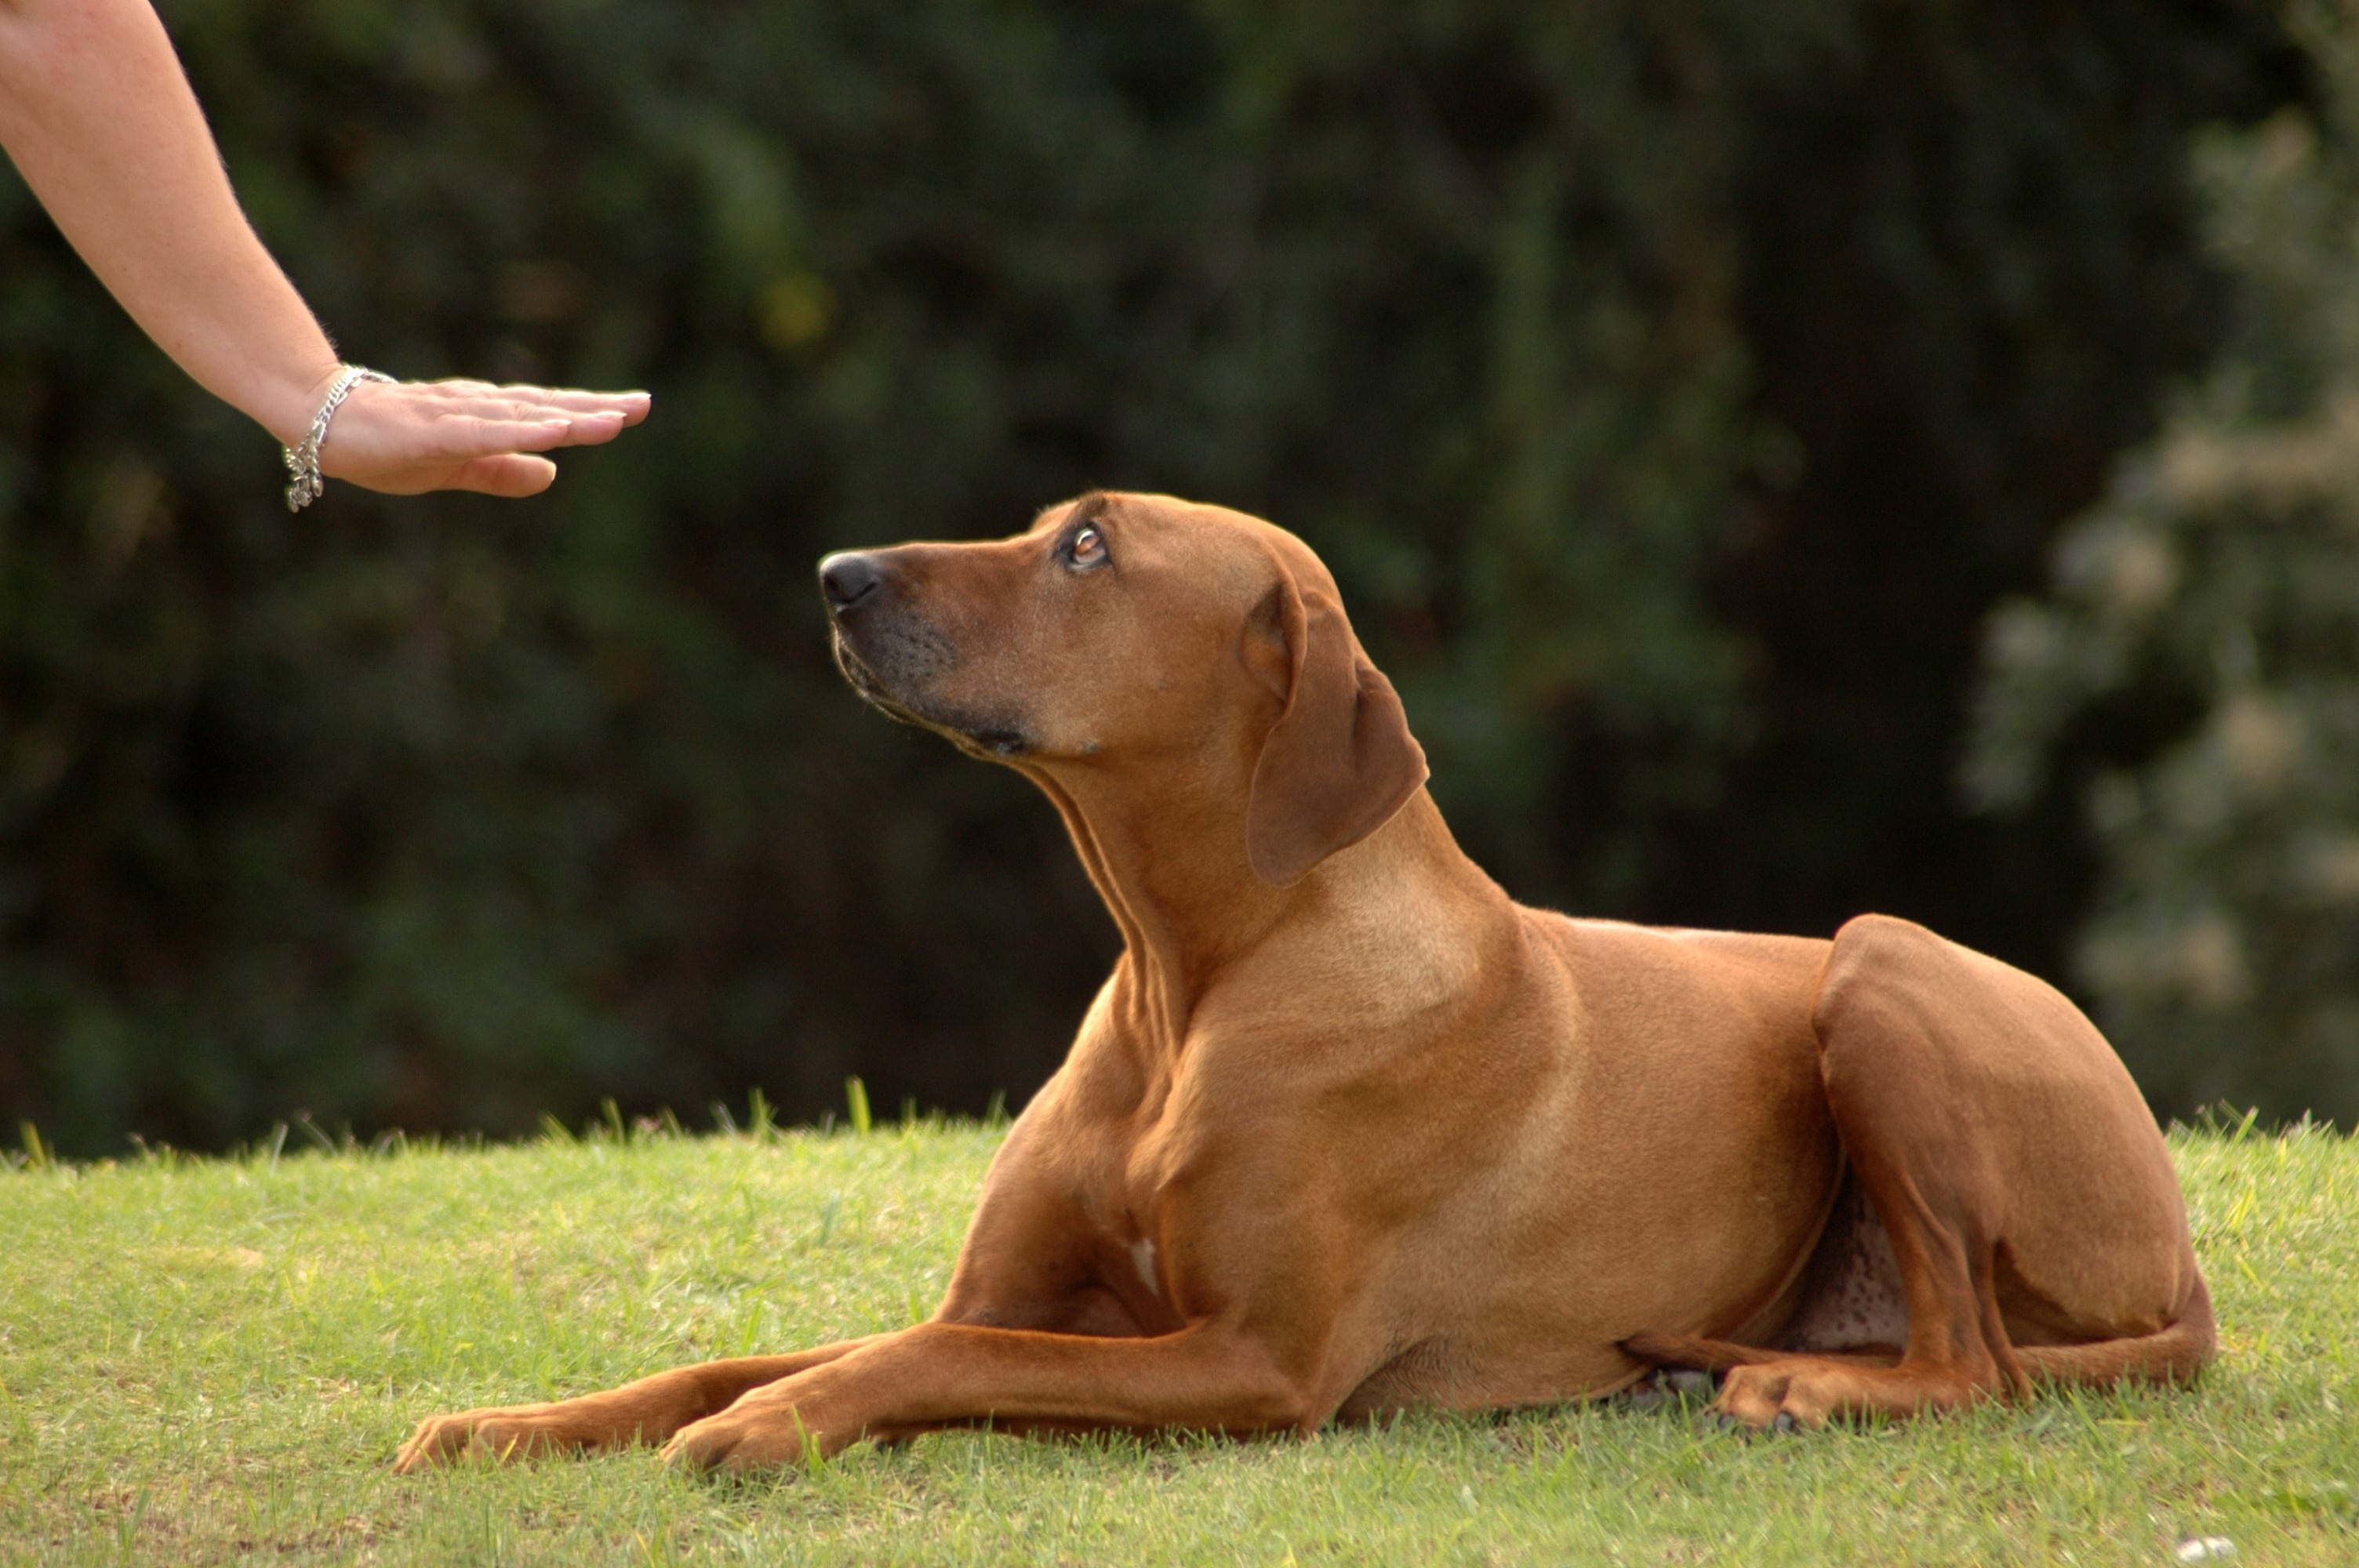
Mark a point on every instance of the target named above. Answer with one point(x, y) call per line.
point(892, 658)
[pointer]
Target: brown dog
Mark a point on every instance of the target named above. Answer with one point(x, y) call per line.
point(1348, 1130)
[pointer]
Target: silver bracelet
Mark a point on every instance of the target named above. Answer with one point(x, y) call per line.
point(303, 460)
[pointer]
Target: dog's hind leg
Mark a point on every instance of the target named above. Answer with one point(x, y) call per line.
point(2026, 1194)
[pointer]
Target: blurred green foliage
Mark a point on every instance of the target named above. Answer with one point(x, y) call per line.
point(2193, 666)
point(1672, 386)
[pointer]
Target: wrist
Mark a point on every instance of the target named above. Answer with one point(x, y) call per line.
point(286, 407)
point(305, 481)
point(278, 391)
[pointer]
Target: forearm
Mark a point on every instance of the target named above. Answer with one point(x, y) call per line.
point(99, 119)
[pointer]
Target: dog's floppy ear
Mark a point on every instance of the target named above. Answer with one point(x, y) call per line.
point(1340, 760)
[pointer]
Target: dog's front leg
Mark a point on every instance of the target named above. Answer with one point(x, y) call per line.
point(648, 1410)
point(1207, 1376)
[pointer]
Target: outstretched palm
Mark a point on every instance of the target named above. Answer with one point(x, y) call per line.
point(407, 437)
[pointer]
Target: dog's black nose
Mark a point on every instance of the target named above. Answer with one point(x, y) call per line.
point(849, 580)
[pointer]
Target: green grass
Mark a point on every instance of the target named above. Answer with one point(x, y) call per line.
point(209, 1361)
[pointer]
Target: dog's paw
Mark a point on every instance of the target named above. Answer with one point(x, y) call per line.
point(1808, 1391)
point(503, 1433)
point(742, 1438)
point(1779, 1396)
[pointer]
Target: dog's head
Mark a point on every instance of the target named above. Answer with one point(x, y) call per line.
point(1122, 631)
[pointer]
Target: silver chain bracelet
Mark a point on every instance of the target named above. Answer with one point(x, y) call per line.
point(303, 460)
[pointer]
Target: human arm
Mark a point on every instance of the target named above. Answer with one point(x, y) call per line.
point(102, 123)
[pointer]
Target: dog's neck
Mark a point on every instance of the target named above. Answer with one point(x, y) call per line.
point(1169, 859)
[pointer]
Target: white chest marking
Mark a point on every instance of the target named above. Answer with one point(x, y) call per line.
point(1142, 1253)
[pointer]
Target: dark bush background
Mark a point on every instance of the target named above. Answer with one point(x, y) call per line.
point(1674, 385)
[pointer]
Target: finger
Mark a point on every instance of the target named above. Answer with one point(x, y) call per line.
point(632, 405)
point(452, 411)
point(604, 425)
point(472, 437)
point(530, 401)
point(497, 474)
point(508, 474)
point(484, 417)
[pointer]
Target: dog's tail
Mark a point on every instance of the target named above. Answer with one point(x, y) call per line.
point(1720, 1355)
point(2171, 1354)
point(1697, 1353)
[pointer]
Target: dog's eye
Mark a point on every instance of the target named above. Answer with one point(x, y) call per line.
point(1087, 549)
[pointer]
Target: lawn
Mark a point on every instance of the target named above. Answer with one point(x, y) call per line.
point(209, 1360)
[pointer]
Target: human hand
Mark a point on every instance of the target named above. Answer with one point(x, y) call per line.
point(405, 438)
